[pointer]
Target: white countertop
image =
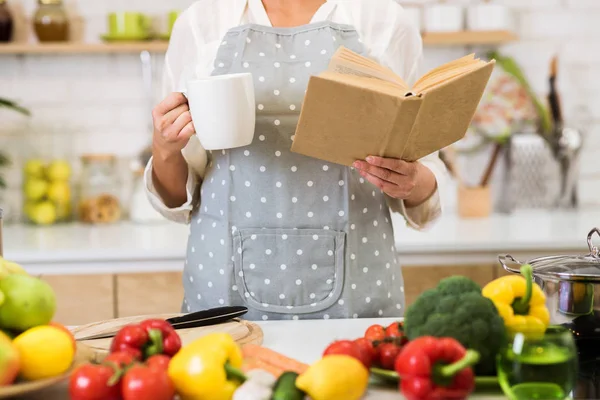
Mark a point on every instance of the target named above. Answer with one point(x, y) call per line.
point(129, 247)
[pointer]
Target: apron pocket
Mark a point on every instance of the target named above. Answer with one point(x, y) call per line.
point(289, 270)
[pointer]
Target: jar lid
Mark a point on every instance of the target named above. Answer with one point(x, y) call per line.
point(50, 2)
point(98, 157)
point(571, 268)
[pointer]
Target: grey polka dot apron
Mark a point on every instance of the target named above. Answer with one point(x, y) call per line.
point(288, 236)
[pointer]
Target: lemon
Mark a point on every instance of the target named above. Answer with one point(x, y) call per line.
point(59, 170)
point(335, 377)
point(45, 352)
point(43, 213)
point(59, 192)
point(34, 168)
point(35, 189)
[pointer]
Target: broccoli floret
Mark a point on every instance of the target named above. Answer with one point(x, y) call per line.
point(456, 308)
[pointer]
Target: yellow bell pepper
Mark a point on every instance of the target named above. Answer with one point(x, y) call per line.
point(520, 302)
point(334, 377)
point(207, 368)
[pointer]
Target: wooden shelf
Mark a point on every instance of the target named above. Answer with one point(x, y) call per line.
point(84, 48)
point(429, 39)
point(465, 38)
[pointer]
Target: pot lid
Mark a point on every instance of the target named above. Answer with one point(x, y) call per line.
point(572, 268)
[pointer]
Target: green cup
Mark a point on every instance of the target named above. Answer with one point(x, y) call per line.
point(128, 23)
point(171, 18)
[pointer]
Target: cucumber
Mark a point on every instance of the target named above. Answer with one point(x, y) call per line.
point(285, 388)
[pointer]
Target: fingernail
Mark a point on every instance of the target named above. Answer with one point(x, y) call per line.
point(370, 159)
point(356, 164)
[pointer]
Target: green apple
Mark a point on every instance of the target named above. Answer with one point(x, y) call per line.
point(34, 168)
point(28, 302)
point(59, 170)
point(35, 188)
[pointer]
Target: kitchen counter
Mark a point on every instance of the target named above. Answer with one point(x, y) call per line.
point(127, 247)
point(282, 336)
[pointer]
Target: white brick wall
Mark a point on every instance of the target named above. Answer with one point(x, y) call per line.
point(98, 102)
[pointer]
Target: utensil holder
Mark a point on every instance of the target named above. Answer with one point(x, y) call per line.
point(474, 202)
point(532, 175)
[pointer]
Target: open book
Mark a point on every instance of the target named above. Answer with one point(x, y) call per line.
point(358, 107)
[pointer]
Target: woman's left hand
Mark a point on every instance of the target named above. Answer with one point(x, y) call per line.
point(410, 181)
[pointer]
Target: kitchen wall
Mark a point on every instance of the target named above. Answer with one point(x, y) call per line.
point(97, 103)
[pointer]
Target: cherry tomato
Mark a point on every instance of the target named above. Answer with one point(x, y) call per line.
point(91, 382)
point(375, 333)
point(160, 361)
point(393, 330)
point(142, 382)
point(388, 352)
point(366, 350)
point(396, 330)
point(348, 348)
point(121, 358)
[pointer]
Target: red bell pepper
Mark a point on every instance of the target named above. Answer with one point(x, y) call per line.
point(433, 368)
point(149, 337)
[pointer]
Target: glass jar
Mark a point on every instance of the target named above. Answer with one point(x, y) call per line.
point(51, 21)
point(99, 200)
point(6, 23)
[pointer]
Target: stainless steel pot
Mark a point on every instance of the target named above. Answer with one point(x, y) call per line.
point(571, 283)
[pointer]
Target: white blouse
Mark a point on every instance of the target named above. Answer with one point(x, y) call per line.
point(384, 28)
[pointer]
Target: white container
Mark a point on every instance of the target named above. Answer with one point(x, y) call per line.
point(488, 17)
point(444, 18)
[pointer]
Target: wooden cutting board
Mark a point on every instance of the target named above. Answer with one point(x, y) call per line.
point(243, 332)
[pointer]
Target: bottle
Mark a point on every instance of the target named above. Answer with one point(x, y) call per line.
point(51, 21)
point(6, 23)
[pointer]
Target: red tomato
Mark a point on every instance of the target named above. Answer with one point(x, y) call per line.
point(348, 348)
point(120, 358)
point(366, 350)
point(394, 330)
point(388, 352)
point(145, 383)
point(90, 382)
point(375, 332)
point(160, 361)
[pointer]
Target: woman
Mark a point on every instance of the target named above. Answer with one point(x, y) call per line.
point(288, 236)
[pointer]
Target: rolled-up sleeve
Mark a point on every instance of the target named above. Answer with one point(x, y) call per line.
point(181, 56)
point(404, 55)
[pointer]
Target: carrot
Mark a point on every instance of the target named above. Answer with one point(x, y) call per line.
point(255, 363)
point(273, 358)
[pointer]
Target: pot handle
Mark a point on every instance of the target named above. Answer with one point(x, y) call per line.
point(503, 261)
point(593, 249)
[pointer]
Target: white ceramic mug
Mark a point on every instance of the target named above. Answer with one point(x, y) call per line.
point(223, 110)
point(488, 17)
point(444, 18)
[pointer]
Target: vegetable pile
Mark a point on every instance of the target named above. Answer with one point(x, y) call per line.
point(456, 308)
point(450, 333)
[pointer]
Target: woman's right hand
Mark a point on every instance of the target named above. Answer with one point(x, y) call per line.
point(173, 125)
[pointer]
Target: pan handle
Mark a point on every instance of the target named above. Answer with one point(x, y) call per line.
point(593, 249)
point(503, 261)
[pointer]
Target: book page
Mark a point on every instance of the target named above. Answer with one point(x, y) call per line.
point(346, 62)
point(445, 75)
point(445, 67)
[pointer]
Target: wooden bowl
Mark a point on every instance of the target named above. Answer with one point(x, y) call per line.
point(20, 388)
